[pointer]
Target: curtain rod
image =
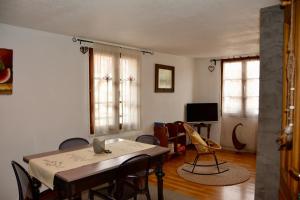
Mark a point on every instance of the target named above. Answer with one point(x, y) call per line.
point(240, 58)
point(81, 39)
point(234, 58)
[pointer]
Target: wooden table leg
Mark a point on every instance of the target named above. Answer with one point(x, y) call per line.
point(60, 192)
point(69, 192)
point(159, 175)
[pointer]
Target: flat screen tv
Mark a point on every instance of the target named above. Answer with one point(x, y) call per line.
point(198, 112)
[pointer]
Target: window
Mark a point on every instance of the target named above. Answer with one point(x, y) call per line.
point(114, 90)
point(240, 92)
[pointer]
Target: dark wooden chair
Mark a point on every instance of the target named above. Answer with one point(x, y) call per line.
point(29, 187)
point(72, 142)
point(148, 139)
point(124, 187)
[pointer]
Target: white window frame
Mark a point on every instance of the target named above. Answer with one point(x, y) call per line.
point(243, 113)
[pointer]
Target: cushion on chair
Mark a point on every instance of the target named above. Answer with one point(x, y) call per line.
point(199, 143)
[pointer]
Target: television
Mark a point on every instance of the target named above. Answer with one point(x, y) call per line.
point(198, 112)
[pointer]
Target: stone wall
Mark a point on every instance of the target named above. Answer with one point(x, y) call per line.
point(271, 50)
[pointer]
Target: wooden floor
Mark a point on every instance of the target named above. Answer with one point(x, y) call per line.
point(243, 191)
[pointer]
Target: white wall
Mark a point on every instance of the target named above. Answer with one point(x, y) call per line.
point(50, 96)
point(165, 107)
point(207, 89)
point(49, 101)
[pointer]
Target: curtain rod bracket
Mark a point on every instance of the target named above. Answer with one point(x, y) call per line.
point(74, 39)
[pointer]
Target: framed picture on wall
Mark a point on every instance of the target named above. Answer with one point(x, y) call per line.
point(6, 71)
point(164, 78)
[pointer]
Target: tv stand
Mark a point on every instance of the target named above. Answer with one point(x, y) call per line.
point(202, 125)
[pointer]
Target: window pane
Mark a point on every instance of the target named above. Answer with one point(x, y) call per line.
point(232, 70)
point(252, 106)
point(232, 88)
point(252, 69)
point(252, 88)
point(232, 105)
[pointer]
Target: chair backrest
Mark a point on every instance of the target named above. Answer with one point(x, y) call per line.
point(25, 183)
point(148, 139)
point(72, 142)
point(140, 165)
point(197, 141)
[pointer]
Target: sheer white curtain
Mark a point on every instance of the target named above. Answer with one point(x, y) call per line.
point(252, 88)
point(129, 90)
point(241, 88)
point(116, 90)
point(232, 88)
point(106, 92)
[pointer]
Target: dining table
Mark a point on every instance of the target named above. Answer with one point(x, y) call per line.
point(73, 181)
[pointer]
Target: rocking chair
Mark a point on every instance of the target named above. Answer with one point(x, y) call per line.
point(203, 147)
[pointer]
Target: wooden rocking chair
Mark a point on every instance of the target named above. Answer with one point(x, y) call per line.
point(203, 147)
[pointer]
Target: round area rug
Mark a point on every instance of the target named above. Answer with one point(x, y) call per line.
point(234, 175)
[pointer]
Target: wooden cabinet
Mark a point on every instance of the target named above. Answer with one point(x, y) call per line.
point(171, 135)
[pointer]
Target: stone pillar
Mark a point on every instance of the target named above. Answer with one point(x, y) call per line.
point(270, 103)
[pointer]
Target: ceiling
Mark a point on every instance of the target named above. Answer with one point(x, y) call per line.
point(197, 28)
